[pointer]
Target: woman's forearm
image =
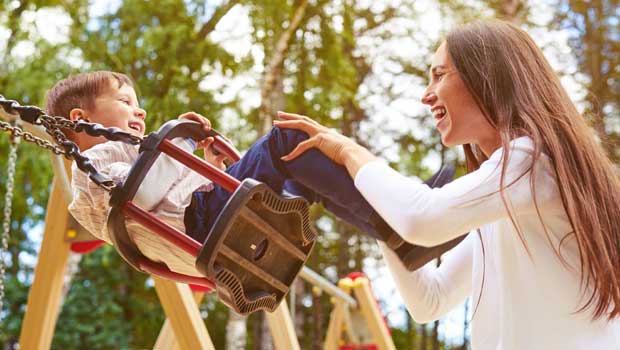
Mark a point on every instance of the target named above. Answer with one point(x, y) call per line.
point(355, 156)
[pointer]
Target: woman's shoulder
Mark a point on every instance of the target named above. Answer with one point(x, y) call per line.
point(528, 169)
point(522, 154)
point(522, 146)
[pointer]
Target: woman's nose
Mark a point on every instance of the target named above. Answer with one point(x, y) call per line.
point(429, 98)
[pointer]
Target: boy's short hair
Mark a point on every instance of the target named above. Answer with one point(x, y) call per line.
point(80, 91)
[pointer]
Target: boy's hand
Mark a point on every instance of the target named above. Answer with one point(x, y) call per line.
point(210, 156)
point(206, 124)
point(206, 144)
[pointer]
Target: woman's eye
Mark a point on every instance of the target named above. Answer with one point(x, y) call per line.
point(438, 76)
point(125, 101)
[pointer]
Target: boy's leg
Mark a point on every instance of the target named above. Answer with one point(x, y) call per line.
point(342, 213)
point(314, 173)
point(327, 181)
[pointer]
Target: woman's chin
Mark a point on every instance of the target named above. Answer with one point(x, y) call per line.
point(446, 140)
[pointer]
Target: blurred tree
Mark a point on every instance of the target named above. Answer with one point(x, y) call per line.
point(342, 63)
point(594, 39)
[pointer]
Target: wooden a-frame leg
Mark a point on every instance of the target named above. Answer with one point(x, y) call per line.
point(45, 293)
point(166, 339)
point(370, 310)
point(334, 329)
point(279, 321)
point(281, 327)
point(182, 311)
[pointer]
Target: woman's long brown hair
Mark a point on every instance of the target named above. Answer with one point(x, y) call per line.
point(520, 94)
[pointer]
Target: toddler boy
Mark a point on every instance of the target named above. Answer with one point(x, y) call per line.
point(173, 192)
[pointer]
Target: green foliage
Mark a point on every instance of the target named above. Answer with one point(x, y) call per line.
point(330, 73)
point(104, 291)
point(167, 55)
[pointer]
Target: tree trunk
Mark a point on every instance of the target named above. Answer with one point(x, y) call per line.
point(72, 268)
point(266, 342)
point(465, 326)
point(436, 323)
point(317, 326)
point(271, 87)
point(342, 262)
point(257, 320)
point(436, 335)
point(510, 10)
point(299, 320)
point(411, 329)
point(236, 331)
point(593, 66)
point(423, 338)
point(597, 55)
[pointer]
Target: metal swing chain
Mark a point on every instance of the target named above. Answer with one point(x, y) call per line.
point(54, 125)
point(28, 137)
point(8, 204)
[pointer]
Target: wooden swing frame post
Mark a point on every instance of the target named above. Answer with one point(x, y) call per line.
point(340, 317)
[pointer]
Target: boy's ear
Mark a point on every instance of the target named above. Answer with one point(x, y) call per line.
point(78, 114)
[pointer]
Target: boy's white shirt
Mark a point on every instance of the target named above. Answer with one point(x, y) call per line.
point(165, 191)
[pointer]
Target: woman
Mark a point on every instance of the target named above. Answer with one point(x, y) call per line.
point(542, 261)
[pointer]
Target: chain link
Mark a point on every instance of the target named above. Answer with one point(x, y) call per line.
point(6, 223)
point(28, 137)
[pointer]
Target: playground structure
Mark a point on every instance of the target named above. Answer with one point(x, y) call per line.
point(354, 304)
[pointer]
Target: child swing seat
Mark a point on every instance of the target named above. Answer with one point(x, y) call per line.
point(249, 262)
point(256, 247)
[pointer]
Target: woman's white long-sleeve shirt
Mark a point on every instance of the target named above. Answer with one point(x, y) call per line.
point(524, 298)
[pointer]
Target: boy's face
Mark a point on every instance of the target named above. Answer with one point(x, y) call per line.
point(118, 107)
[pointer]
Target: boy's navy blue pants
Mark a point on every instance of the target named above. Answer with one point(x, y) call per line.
point(311, 175)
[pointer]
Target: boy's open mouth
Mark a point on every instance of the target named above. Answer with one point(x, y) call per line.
point(137, 126)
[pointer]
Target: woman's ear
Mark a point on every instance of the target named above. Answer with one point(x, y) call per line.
point(77, 114)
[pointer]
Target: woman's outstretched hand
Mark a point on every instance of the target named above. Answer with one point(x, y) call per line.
point(339, 148)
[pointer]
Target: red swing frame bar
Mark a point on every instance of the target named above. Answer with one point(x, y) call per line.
point(171, 234)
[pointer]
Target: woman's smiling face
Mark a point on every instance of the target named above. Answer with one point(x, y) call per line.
point(458, 118)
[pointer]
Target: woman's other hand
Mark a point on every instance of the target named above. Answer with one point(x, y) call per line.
point(339, 148)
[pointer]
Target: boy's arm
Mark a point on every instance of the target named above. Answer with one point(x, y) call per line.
point(164, 173)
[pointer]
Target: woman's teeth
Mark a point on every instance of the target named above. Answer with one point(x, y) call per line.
point(439, 113)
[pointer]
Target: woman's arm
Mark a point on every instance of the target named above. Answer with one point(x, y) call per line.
point(425, 216)
point(335, 146)
point(164, 173)
point(429, 217)
point(430, 292)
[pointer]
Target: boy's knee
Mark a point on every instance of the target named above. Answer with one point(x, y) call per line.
point(287, 138)
point(289, 133)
